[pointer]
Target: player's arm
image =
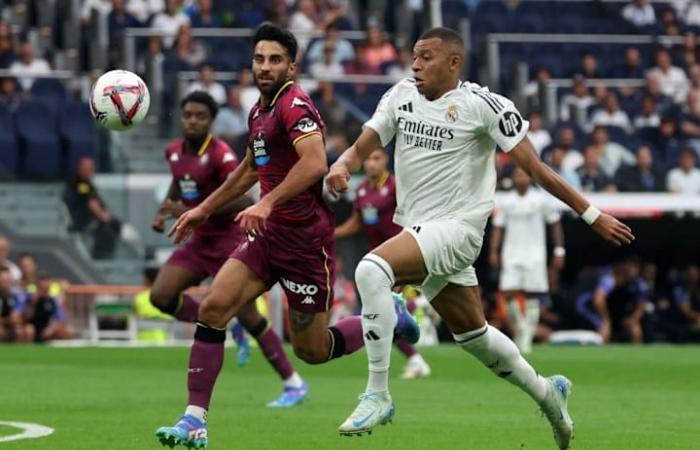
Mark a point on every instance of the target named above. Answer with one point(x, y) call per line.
point(350, 227)
point(601, 308)
point(168, 208)
point(605, 225)
point(559, 251)
point(238, 183)
point(351, 161)
point(495, 246)
point(310, 168)
point(689, 312)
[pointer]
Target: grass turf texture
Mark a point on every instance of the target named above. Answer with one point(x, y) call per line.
point(107, 398)
point(6, 430)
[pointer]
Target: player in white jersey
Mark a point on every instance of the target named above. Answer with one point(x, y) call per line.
point(523, 215)
point(446, 136)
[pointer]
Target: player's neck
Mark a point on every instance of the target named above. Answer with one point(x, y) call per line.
point(194, 146)
point(444, 90)
point(378, 179)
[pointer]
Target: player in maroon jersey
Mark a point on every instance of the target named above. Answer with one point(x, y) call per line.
point(290, 235)
point(199, 163)
point(373, 214)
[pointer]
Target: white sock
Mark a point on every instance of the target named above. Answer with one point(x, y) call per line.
point(499, 354)
point(520, 331)
point(198, 412)
point(416, 359)
point(374, 278)
point(294, 381)
point(532, 317)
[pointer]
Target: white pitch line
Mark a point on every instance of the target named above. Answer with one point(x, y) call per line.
point(29, 431)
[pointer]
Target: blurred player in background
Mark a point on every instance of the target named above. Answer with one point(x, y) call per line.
point(446, 135)
point(522, 216)
point(12, 302)
point(289, 234)
point(200, 163)
point(373, 214)
point(43, 313)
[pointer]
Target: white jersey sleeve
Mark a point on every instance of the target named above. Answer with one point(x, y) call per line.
point(501, 120)
point(499, 216)
point(383, 120)
point(551, 213)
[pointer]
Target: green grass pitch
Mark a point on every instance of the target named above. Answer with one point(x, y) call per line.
point(114, 399)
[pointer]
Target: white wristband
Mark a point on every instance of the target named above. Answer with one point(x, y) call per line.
point(559, 251)
point(590, 215)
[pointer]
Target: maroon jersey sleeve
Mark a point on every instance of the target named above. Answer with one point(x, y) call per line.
point(300, 118)
point(224, 160)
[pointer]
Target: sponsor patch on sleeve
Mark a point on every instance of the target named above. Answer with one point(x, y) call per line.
point(306, 125)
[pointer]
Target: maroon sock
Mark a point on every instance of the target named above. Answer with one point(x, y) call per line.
point(206, 359)
point(271, 346)
point(347, 336)
point(405, 347)
point(187, 312)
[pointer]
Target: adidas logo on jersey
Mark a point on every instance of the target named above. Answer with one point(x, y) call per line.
point(408, 107)
point(308, 301)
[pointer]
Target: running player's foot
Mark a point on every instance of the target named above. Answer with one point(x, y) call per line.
point(374, 409)
point(406, 326)
point(554, 407)
point(291, 396)
point(242, 343)
point(188, 431)
point(416, 368)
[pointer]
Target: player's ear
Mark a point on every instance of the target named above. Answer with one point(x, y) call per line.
point(292, 70)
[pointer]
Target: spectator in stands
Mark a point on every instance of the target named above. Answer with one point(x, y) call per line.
point(539, 136)
point(593, 178)
point(169, 21)
point(12, 303)
point(7, 51)
point(684, 179)
point(694, 80)
point(145, 9)
point(8, 92)
point(643, 176)
point(668, 23)
point(687, 54)
point(652, 88)
point(231, 122)
point(403, 67)
point(687, 301)
point(45, 315)
point(556, 162)
point(572, 157)
point(89, 213)
point(204, 16)
point(344, 51)
point(688, 11)
point(327, 66)
point(249, 93)
point(118, 20)
point(690, 120)
point(5, 262)
point(207, 82)
point(672, 79)
point(647, 117)
point(150, 62)
point(612, 154)
point(28, 267)
point(666, 142)
point(639, 13)
point(276, 13)
point(576, 102)
point(101, 7)
point(589, 67)
point(339, 124)
point(632, 67)
point(28, 66)
point(532, 89)
point(304, 20)
point(188, 49)
point(611, 115)
point(376, 50)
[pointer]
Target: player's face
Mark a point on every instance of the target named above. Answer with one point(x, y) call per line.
point(435, 67)
point(272, 67)
point(5, 280)
point(375, 164)
point(196, 121)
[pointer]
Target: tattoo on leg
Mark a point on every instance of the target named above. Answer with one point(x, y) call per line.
point(300, 321)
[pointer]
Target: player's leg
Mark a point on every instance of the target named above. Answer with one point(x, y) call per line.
point(234, 286)
point(461, 308)
point(295, 389)
point(167, 293)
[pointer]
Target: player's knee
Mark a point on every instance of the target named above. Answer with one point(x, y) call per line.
point(214, 312)
point(311, 354)
point(374, 271)
point(163, 300)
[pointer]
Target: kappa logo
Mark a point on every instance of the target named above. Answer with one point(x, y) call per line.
point(301, 289)
point(299, 102)
point(308, 301)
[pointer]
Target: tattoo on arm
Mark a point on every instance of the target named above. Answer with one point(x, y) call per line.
point(300, 321)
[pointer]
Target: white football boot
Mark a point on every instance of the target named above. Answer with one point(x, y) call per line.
point(554, 407)
point(374, 409)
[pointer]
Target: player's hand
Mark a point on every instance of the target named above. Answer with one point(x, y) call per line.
point(158, 224)
point(186, 223)
point(172, 209)
point(253, 218)
point(612, 230)
point(494, 260)
point(338, 179)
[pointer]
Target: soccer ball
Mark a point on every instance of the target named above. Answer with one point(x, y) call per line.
point(119, 99)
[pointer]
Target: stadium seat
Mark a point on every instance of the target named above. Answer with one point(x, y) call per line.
point(8, 143)
point(78, 132)
point(36, 129)
point(50, 92)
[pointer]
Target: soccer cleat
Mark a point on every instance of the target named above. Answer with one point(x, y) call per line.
point(290, 396)
point(554, 407)
point(188, 431)
point(374, 409)
point(406, 326)
point(242, 343)
point(416, 368)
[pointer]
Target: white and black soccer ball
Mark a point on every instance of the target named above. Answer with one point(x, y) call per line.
point(119, 100)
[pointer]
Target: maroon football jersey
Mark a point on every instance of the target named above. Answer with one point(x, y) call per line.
point(201, 174)
point(290, 117)
point(376, 205)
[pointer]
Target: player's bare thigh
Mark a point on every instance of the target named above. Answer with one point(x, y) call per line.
point(310, 336)
point(460, 307)
point(170, 282)
point(234, 286)
point(405, 258)
point(248, 315)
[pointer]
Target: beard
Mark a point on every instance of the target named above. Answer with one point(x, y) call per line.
point(271, 88)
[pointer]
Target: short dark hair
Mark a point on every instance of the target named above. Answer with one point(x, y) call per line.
point(268, 32)
point(4, 268)
point(448, 35)
point(203, 98)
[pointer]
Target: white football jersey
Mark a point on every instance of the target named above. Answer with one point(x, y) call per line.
point(524, 219)
point(445, 149)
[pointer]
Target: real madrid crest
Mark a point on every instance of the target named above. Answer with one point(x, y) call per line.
point(452, 113)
